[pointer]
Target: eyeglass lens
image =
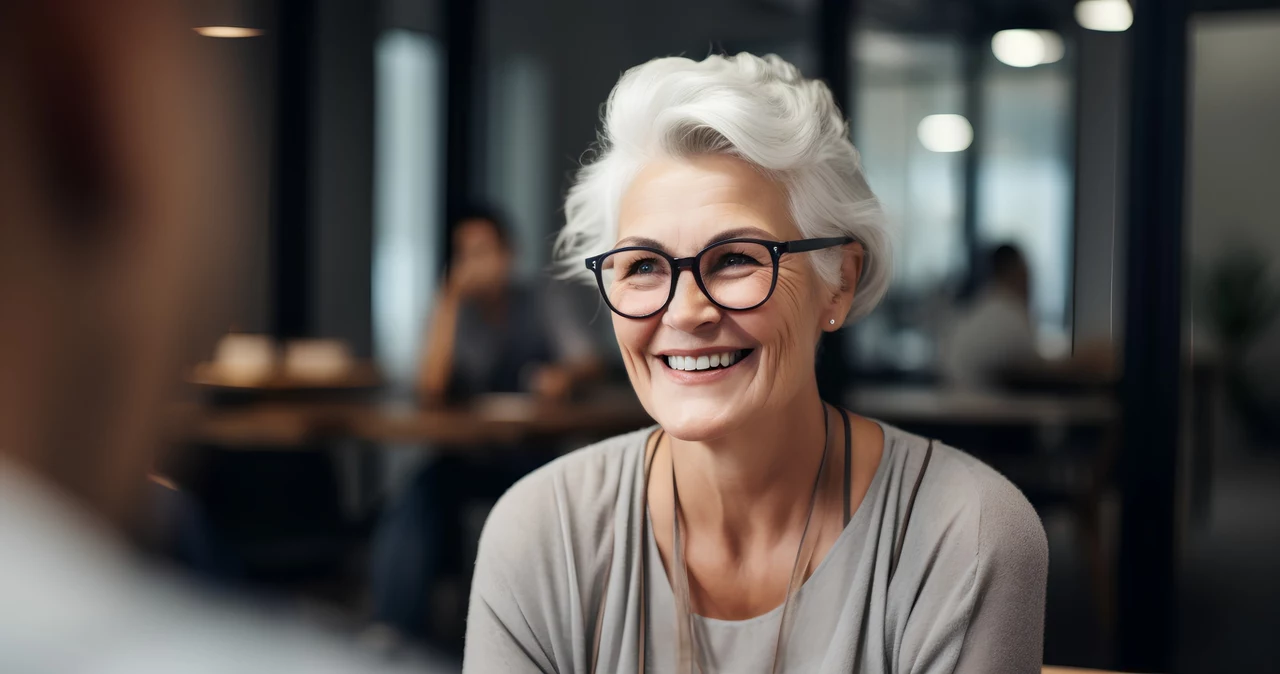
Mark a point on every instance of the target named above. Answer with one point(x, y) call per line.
point(736, 275)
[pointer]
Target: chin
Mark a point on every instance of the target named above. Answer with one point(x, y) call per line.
point(698, 419)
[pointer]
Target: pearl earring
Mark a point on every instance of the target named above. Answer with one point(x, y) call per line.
point(833, 321)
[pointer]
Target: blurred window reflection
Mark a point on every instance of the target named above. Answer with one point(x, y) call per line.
point(903, 79)
point(518, 146)
point(1023, 191)
point(407, 196)
point(1025, 184)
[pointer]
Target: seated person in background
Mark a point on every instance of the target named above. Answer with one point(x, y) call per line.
point(488, 334)
point(996, 331)
point(994, 339)
point(491, 335)
point(114, 214)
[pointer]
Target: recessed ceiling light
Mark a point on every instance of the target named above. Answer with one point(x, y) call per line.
point(945, 133)
point(1110, 16)
point(1026, 48)
point(228, 31)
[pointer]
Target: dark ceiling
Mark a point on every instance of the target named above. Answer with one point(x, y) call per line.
point(992, 15)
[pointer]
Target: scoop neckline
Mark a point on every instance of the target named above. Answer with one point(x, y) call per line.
point(860, 515)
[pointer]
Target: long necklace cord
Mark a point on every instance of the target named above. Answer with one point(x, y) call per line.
point(685, 646)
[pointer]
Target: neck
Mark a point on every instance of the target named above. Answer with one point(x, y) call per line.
point(753, 485)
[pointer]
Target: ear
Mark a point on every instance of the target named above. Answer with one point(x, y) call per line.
point(852, 257)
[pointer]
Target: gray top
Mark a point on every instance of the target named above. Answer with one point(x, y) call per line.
point(968, 595)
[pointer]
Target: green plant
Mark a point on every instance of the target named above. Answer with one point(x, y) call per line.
point(1239, 299)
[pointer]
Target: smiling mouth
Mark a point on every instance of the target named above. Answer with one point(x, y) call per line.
point(715, 361)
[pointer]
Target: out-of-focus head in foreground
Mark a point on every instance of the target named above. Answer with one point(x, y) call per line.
point(115, 210)
point(116, 213)
point(744, 167)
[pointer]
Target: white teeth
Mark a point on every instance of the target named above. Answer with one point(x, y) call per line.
point(692, 363)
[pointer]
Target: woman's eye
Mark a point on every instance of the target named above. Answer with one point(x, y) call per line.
point(646, 266)
point(737, 260)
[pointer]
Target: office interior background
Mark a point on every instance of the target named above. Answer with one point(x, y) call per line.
point(1127, 149)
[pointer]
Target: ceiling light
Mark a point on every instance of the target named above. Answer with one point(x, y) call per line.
point(1018, 48)
point(1026, 48)
point(945, 133)
point(228, 31)
point(1111, 16)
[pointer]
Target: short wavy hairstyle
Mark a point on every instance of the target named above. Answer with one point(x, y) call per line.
point(758, 109)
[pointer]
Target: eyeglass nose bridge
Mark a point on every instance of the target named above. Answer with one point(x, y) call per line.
point(690, 264)
point(680, 264)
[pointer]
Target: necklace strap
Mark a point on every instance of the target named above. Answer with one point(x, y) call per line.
point(644, 555)
point(906, 518)
point(685, 645)
point(680, 578)
point(804, 555)
point(848, 465)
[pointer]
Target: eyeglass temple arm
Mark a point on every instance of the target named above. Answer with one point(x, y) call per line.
point(806, 245)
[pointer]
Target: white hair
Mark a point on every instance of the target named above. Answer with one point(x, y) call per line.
point(758, 109)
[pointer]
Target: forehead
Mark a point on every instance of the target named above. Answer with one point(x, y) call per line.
point(685, 202)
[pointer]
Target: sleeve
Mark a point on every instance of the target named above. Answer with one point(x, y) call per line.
point(980, 608)
point(1006, 624)
point(500, 638)
point(506, 630)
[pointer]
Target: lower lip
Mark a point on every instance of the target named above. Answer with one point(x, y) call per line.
point(704, 376)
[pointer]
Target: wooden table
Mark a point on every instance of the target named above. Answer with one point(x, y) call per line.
point(1072, 670)
point(507, 419)
point(492, 420)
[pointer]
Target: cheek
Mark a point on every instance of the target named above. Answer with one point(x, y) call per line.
point(792, 319)
point(633, 338)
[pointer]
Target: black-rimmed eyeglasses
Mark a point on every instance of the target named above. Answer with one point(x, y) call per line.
point(736, 275)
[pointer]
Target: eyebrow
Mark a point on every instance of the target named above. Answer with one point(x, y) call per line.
point(740, 232)
point(735, 233)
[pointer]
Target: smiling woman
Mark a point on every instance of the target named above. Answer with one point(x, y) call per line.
point(757, 528)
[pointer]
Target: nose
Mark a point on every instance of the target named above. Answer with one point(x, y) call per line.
point(690, 309)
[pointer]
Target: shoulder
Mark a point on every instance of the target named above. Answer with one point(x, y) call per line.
point(585, 481)
point(565, 509)
point(965, 509)
point(548, 541)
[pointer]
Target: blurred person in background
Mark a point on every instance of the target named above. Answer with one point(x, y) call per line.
point(116, 211)
point(729, 538)
point(995, 333)
point(993, 341)
point(488, 334)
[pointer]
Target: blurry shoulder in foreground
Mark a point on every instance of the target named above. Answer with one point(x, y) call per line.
point(119, 201)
